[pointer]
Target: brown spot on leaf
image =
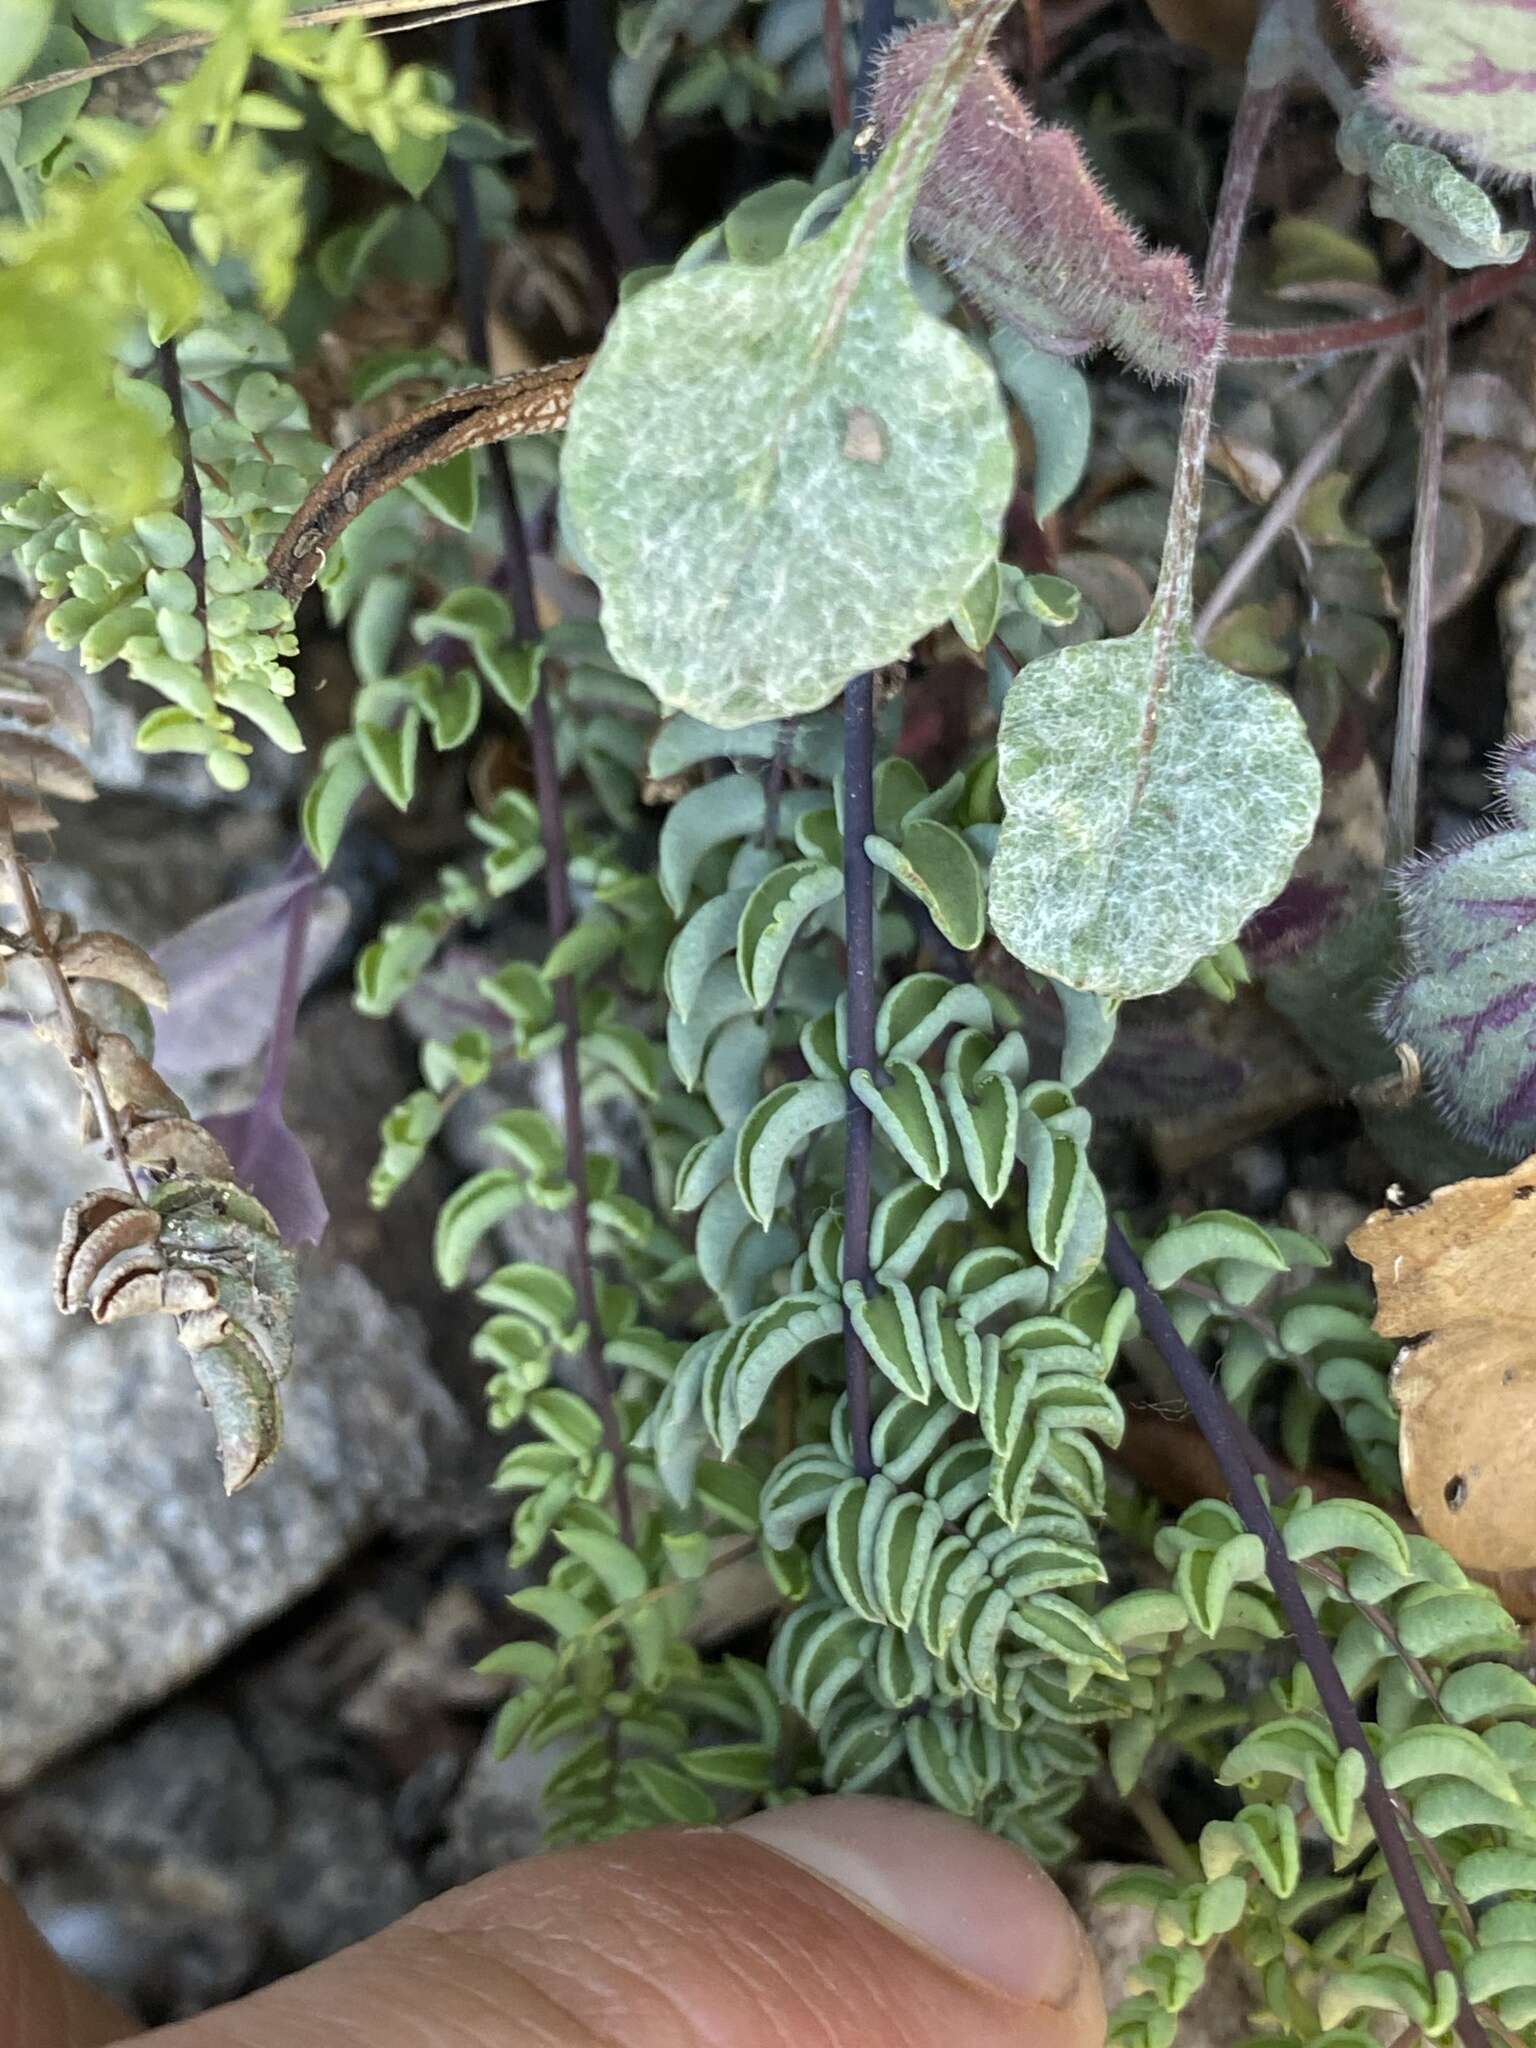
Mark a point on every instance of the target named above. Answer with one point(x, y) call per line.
point(864, 436)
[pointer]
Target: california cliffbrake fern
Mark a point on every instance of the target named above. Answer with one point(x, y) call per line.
point(855, 1315)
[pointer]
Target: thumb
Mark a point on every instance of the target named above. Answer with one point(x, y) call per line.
point(836, 1923)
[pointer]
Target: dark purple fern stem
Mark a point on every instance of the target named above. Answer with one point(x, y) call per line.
point(1223, 1432)
point(859, 920)
point(604, 169)
point(191, 490)
point(517, 577)
point(859, 927)
point(539, 106)
point(875, 29)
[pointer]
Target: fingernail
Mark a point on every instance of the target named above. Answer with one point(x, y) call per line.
point(982, 1904)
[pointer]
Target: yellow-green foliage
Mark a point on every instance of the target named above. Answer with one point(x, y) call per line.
point(101, 258)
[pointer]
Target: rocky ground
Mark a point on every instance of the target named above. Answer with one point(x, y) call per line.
point(236, 1734)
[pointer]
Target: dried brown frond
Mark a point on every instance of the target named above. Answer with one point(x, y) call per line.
point(179, 1237)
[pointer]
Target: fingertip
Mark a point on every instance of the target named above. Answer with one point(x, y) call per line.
point(942, 1883)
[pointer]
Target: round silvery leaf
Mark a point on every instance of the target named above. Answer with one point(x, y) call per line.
point(1133, 844)
point(780, 476)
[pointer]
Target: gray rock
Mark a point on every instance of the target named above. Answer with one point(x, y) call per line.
point(210, 1851)
point(127, 1571)
point(137, 868)
point(495, 1816)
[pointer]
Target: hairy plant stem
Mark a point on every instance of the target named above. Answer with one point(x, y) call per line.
point(1473, 295)
point(1413, 674)
point(517, 575)
point(1218, 1425)
point(1282, 507)
point(1171, 602)
point(79, 1048)
point(859, 916)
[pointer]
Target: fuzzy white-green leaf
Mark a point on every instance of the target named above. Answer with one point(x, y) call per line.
point(782, 474)
point(1141, 835)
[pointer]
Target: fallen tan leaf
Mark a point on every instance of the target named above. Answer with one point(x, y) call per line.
point(1456, 1277)
point(107, 956)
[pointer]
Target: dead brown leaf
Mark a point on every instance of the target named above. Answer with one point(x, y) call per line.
point(1456, 1277)
point(108, 956)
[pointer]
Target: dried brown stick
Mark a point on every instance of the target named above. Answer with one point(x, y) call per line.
point(421, 16)
point(79, 1049)
point(528, 402)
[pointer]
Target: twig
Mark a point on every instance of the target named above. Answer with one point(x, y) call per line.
point(199, 38)
point(79, 1049)
point(518, 576)
point(1474, 294)
point(859, 918)
point(1282, 507)
point(1210, 1409)
point(1413, 675)
point(1036, 44)
point(1171, 602)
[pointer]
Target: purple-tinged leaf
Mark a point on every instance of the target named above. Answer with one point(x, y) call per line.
point(1467, 1004)
point(265, 1154)
point(236, 979)
point(1152, 1068)
point(270, 1161)
point(223, 971)
point(1304, 912)
point(1464, 73)
point(1515, 773)
point(1013, 212)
